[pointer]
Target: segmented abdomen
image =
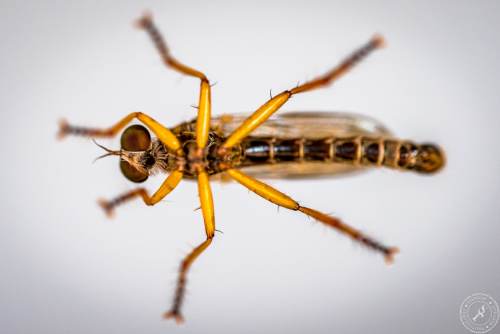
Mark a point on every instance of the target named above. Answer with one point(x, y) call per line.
point(360, 150)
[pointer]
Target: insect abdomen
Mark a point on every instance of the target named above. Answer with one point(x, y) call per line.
point(365, 151)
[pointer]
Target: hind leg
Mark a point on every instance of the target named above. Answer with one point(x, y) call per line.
point(278, 198)
point(275, 103)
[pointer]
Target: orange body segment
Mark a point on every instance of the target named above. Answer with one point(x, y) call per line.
point(204, 115)
point(207, 203)
point(163, 134)
point(264, 190)
point(256, 119)
point(166, 187)
point(172, 62)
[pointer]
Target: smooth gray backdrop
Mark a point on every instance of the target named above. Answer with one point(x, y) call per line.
point(65, 268)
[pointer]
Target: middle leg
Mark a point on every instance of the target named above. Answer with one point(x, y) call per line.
point(180, 290)
point(207, 208)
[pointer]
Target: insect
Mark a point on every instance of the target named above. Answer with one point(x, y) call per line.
point(242, 148)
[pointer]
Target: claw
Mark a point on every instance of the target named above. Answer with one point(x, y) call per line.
point(379, 41)
point(179, 319)
point(389, 256)
point(63, 129)
point(144, 20)
point(107, 207)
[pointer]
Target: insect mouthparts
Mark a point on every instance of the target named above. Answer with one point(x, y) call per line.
point(109, 152)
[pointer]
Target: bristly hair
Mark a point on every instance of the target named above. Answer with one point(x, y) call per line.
point(151, 161)
point(161, 155)
point(139, 160)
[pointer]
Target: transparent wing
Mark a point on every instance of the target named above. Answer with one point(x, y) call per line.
point(309, 125)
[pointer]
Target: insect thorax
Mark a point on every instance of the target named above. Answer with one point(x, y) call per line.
point(212, 162)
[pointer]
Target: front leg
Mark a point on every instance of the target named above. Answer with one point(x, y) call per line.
point(163, 134)
point(167, 186)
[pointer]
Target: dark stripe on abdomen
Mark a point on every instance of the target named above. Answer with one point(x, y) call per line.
point(257, 149)
point(364, 151)
point(287, 150)
point(317, 150)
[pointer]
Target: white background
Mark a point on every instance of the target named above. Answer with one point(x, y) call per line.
point(68, 269)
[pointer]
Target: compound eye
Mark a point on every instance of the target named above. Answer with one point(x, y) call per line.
point(131, 173)
point(135, 138)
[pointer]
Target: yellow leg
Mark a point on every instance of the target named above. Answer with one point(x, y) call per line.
point(204, 115)
point(207, 204)
point(207, 208)
point(271, 106)
point(285, 201)
point(164, 134)
point(166, 187)
point(203, 123)
point(202, 132)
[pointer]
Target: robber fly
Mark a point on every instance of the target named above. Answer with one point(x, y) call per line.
point(301, 144)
